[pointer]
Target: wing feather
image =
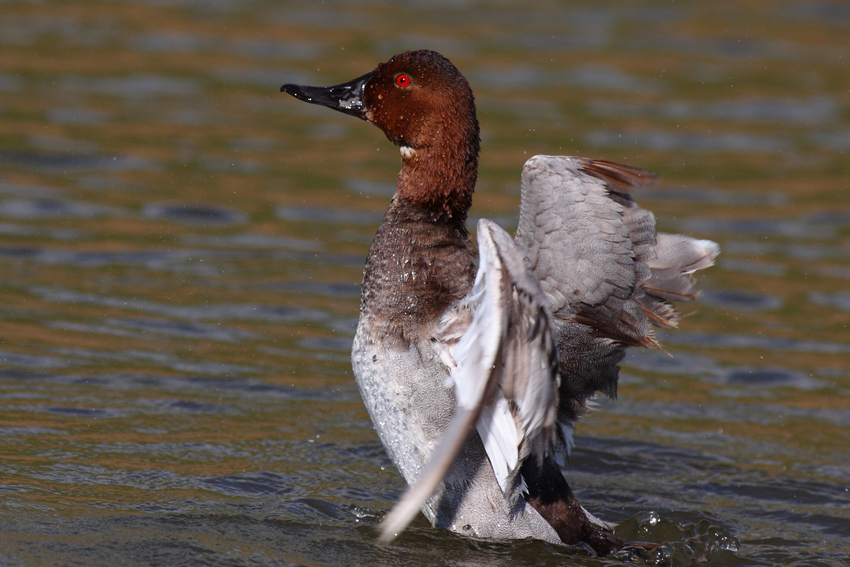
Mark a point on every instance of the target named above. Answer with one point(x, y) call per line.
point(607, 275)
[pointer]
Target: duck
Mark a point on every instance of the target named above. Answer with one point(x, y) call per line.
point(474, 364)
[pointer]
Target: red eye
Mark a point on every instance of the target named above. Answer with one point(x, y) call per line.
point(402, 80)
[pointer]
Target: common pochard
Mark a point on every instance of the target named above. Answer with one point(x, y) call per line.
point(474, 376)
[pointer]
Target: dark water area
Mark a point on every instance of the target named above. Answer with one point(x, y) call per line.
point(181, 247)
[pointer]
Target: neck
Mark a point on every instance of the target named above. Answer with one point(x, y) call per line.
point(440, 178)
point(421, 259)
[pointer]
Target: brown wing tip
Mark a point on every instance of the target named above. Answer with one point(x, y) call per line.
point(624, 334)
point(668, 318)
point(622, 178)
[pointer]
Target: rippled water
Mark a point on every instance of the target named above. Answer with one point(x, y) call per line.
point(181, 246)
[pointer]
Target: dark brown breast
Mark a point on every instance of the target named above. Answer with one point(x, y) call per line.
point(417, 267)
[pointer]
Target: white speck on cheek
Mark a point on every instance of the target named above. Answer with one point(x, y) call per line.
point(407, 151)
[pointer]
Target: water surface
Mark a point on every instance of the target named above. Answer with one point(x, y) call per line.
point(181, 247)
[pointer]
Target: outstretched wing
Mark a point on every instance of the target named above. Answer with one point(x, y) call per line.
point(590, 277)
point(606, 274)
point(500, 343)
